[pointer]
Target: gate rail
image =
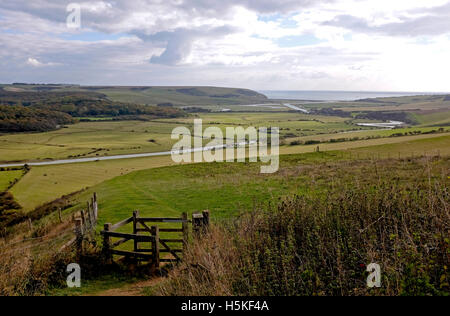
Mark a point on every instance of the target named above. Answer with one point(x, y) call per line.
point(151, 237)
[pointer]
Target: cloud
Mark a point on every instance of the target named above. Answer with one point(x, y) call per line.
point(179, 42)
point(266, 44)
point(36, 63)
point(424, 22)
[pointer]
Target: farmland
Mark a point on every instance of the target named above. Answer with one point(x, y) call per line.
point(168, 191)
point(8, 177)
point(99, 137)
point(107, 138)
point(318, 149)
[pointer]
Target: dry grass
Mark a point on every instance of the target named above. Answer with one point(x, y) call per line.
point(321, 243)
point(31, 270)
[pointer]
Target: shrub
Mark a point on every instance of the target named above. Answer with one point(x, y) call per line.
point(320, 244)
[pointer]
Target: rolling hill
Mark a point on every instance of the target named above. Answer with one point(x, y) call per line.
point(178, 96)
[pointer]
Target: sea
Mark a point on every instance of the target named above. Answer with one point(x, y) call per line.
point(337, 95)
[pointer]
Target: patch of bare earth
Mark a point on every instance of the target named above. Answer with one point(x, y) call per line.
point(135, 289)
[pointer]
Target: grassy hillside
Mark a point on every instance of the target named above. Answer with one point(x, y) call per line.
point(179, 96)
point(8, 177)
point(172, 190)
point(320, 241)
point(229, 190)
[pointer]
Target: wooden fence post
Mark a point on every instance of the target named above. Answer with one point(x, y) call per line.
point(206, 215)
point(135, 226)
point(60, 215)
point(88, 210)
point(107, 243)
point(83, 217)
point(30, 224)
point(185, 230)
point(197, 220)
point(90, 217)
point(79, 235)
point(155, 248)
point(95, 207)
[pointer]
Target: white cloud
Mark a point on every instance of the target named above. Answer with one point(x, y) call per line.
point(361, 44)
point(36, 63)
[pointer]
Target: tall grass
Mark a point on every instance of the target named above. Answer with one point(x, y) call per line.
point(321, 244)
point(24, 273)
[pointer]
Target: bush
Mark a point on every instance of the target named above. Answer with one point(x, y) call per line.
point(320, 244)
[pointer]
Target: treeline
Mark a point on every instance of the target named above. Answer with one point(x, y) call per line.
point(387, 116)
point(43, 111)
point(93, 108)
point(34, 98)
point(28, 119)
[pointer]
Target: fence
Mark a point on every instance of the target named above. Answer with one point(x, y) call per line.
point(361, 155)
point(85, 223)
point(72, 232)
point(151, 237)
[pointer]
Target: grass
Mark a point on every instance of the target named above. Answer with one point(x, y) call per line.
point(181, 96)
point(319, 243)
point(434, 118)
point(8, 177)
point(375, 146)
point(100, 284)
point(88, 139)
point(225, 189)
point(229, 190)
point(106, 138)
point(46, 183)
point(439, 144)
point(361, 134)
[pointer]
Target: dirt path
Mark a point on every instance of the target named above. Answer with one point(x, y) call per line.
point(135, 289)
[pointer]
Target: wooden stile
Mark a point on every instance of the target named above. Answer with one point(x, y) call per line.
point(185, 230)
point(135, 232)
point(155, 248)
point(143, 233)
point(107, 242)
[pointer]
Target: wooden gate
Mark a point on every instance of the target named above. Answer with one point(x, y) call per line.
point(151, 243)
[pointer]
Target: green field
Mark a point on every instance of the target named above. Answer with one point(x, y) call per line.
point(158, 188)
point(101, 137)
point(179, 96)
point(87, 139)
point(434, 118)
point(6, 177)
point(226, 189)
point(106, 138)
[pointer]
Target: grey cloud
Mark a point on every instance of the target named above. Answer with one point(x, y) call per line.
point(179, 42)
point(162, 26)
point(433, 21)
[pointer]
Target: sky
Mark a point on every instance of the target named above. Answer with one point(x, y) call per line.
point(352, 45)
